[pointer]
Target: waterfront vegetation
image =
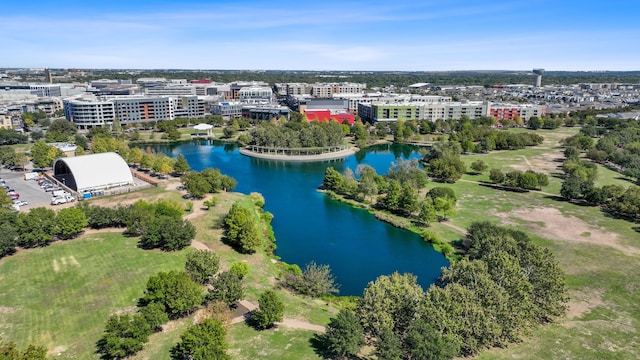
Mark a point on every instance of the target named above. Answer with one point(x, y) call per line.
point(596, 253)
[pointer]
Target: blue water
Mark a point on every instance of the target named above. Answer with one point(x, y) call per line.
point(311, 227)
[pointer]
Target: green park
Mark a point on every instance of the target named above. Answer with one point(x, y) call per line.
point(549, 204)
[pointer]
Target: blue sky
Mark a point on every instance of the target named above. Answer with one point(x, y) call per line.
point(324, 35)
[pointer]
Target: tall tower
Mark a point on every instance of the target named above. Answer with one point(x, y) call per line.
point(47, 76)
point(538, 81)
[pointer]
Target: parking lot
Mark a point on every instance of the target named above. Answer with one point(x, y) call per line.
point(28, 189)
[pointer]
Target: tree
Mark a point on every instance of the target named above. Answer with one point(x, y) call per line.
point(479, 166)
point(167, 233)
point(535, 123)
point(528, 180)
point(447, 168)
point(155, 315)
point(124, 335)
point(135, 156)
point(424, 342)
point(344, 335)
point(391, 201)
point(196, 184)
point(445, 206)
point(388, 345)
point(571, 188)
point(442, 192)
point(36, 228)
point(162, 164)
point(333, 180)
point(176, 291)
point(271, 310)
point(181, 165)
point(408, 201)
point(427, 212)
point(496, 176)
point(8, 238)
point(202, 265)
point(314, 281)
point(43, 155)
point(62, 126)
point(390, 301)
point(242, 231)
point(204, 341)
point(146, 162)
point(9, 351)
point(5, 200)
point(70, 222)
point(226, 287)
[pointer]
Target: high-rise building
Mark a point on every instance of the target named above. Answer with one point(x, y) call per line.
point(538, 81)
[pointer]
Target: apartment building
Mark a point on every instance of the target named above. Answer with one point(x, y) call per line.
point(171, 90)
point(255, 95)
point(513, 111)
point(86, 113)
point(378, 111)
point(90, 112)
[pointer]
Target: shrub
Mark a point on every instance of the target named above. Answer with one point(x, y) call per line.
point(240, 269)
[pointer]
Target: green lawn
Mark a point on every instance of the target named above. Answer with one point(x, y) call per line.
point(61, 296)
point(603, 321)
point(280, 343)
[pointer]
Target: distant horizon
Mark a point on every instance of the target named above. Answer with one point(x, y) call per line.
point(351, 35)
point(308, 70)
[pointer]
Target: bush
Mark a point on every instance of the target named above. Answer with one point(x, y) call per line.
point(442, 192)
point(204, 341)
point(176, 291)
point(226, 287)
point(202, 265)
point(240, 269)
point(315, 281)
point(167, 233)
point(155, 315)
point(242, 232)
point(124, 335)
point(271, 310)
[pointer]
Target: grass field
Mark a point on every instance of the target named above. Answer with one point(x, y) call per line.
point(598, 253)
point(61, 296)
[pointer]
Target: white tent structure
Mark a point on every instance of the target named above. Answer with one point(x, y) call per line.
point(204, 129)
point(93, 172)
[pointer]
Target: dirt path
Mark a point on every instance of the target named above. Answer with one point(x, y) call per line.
point(527, 161)
point(454, 227)
point(298, 324)
point(290, 323)
point(533, 191)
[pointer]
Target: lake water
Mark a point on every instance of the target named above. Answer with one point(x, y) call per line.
point(311, 227)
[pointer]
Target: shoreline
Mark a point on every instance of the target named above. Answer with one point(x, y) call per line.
point(300, 158)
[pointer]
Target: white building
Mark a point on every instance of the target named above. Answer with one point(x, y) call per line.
point(86, 113)
point(255, 95)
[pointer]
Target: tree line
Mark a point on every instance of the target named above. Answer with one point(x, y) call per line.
point(298, 134)
point(503, 287)
point(580, 175)
point(159, 225)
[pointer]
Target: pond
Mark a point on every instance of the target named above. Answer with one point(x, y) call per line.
point(311, 227)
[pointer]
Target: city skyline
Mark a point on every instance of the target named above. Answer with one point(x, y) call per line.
point(332, 35)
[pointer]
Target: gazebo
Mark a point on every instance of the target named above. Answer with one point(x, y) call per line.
point(203, 130)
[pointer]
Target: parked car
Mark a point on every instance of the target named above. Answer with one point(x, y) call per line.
point(14, 195)
point(20, 202)
point(57, 200)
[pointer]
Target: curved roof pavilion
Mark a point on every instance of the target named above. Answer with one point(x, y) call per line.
point(93, 172)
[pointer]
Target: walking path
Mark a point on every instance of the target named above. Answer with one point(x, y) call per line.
point(247, 307)
point(319, 157)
